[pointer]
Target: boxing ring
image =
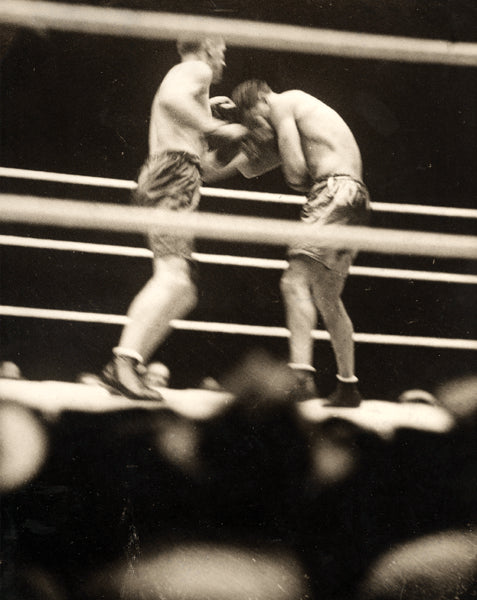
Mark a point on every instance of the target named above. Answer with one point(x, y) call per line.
point(200, 404)
point(68, 214)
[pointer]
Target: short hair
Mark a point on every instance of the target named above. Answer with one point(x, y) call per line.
point(187, 45)
point(247, 94)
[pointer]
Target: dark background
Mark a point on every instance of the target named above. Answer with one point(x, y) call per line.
point(80, 104)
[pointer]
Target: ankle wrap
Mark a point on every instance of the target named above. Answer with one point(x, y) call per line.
point(352, 379)
point(120, 351)
point(302, 367)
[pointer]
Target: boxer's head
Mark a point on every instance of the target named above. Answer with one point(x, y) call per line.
point(251, 98)
point(210, 49)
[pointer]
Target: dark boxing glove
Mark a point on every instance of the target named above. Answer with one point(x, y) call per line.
point(224, 109)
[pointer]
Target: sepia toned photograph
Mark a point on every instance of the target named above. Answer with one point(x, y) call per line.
point(238, 330)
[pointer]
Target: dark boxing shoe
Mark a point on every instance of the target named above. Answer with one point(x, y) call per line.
point(346, 395)
point(121, 374)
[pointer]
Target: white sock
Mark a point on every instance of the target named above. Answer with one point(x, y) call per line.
point(302, 367)
point(352, 379)
point(120, 351)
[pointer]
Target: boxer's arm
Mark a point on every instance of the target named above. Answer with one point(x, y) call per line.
point(294, 165)
point(213, 168)
point(231, 130)
point(185, 98)
point(258, 166)
point(227, 133)
point(261, 150)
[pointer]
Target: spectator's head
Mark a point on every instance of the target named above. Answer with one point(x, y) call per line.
point(23, 446)
point(88, 378)
point(157, 375)
point(438, 566)
point(197, 570)
point(416, 396)
point(459, 397)
point(9, 370)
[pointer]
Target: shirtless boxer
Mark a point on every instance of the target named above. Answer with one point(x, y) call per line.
point(180, 127)
point(320, 157)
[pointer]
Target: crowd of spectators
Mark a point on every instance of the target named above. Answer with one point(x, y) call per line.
point(253, 502)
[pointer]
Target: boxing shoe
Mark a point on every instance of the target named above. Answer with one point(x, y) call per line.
point(346, 395)
point(122, 375)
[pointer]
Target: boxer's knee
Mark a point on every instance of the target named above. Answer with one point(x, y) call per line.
point(178, 283)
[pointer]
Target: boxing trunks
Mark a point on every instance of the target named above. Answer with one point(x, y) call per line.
point(334, 200)
point(170, 180)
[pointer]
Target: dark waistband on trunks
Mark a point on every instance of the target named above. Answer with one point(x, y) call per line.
point(188, 156)
point(324, 178)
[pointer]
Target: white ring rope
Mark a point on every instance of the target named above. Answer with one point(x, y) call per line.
point(224, 259)
point(418, 209)
point(236, 328)
point(121, 184)
point(277, 37)
point(130, 219)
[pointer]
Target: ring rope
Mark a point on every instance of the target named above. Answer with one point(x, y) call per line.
point(34, 210)
point(236, 328)
point(224, 259)
point(277, 37)
point(418, 209)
